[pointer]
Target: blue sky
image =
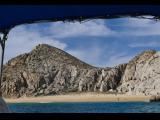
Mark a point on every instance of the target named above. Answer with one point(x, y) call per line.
point(100, 42)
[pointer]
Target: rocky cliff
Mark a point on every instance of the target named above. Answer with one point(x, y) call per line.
point(142, 75)
point(47, 70)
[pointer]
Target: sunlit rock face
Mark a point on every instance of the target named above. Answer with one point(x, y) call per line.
point(47, 70)
point(3, 106)
point(142, 75)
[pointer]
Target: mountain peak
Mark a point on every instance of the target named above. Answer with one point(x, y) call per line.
point(42, 46)
point(47, 70)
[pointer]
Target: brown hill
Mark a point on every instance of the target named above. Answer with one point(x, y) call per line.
point(47, 70)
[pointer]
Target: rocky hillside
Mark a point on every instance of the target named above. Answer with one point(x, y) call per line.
point(142, 75)
point(47, 70)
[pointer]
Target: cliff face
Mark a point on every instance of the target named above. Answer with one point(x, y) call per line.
point(142, 75)
point(47, 70)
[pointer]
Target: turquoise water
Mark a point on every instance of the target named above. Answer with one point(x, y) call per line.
point(98, 107)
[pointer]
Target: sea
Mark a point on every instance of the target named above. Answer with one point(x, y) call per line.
point(86, 107)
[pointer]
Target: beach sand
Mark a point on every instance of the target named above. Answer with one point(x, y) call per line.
point(82, 97)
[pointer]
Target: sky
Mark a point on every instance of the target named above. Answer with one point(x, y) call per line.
point(99, 42)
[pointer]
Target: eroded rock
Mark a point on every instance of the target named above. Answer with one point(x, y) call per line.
point(142, 75)
point(47, 70)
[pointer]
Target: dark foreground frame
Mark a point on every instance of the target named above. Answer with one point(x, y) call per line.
point(81, 116)
point(151, 10)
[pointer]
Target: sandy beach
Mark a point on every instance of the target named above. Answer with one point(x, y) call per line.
point(83, 97)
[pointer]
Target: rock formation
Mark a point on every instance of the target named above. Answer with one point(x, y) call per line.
point(47, 70)
point(142, 75)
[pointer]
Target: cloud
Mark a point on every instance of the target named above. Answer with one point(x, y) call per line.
point(140, 27)
point(136, 22)
point(117, 59)
point(91, 55)
point(23, 40)
point(96, 56)
point(99, 28)
point(77, 29)
point(145, 44)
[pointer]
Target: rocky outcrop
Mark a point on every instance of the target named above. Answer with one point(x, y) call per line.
point(142, 75)
point(47, 70)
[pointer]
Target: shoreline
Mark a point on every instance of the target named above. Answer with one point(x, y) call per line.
point(85, 97)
